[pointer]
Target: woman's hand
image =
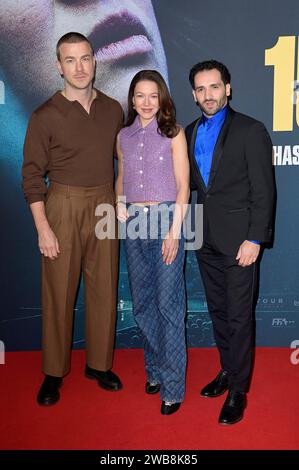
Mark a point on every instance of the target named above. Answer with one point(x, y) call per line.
point(121, 212)
point(170, 248)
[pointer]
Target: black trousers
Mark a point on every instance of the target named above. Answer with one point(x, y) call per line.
point(230, 292)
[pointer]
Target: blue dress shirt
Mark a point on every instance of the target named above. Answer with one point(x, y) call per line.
point(206, 138)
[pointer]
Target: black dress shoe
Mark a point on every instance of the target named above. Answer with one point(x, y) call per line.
point(107, 380)
point(49, 392)
point(233, 408)
point(151, 389)
point(168, 409)
point(217, 387)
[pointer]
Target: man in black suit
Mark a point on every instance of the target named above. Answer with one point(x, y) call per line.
point(231, 169)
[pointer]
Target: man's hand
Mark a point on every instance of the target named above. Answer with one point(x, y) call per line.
point(248, 253)
point(47, 241)
point(170, 248)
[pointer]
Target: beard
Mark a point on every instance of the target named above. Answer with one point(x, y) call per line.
point(211, 107)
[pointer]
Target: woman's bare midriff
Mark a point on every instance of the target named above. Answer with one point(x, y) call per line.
point(146, 203)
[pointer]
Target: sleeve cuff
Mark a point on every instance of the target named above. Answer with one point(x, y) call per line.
point(30, 198)
point(255, 241)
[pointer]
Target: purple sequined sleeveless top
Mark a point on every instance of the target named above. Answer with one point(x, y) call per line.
point(147, 162)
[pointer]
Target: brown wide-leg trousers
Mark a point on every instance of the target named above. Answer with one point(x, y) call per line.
point(71, 214)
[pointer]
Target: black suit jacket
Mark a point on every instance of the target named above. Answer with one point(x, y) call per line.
point(239, 199)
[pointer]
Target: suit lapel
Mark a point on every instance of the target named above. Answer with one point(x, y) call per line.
point(195, 168)
point(218, 150)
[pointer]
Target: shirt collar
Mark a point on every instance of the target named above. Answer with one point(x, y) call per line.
point(137, 127)
point(65, 105)
point(216, 119)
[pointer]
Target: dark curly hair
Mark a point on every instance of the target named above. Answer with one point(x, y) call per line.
point(210, 65)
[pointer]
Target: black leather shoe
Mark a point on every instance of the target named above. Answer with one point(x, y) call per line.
point(151, 389)
point(217, 387)
point(169, 409)
point(49, 392)
point(107, 380)
point(233, 408)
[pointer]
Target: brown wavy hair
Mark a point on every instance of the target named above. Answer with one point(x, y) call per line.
point(166, 116)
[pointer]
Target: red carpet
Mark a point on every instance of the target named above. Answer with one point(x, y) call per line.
point(88, 417)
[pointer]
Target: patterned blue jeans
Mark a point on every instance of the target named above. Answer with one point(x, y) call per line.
point(159, 300)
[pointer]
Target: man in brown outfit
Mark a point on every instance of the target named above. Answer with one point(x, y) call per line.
point(70, 139)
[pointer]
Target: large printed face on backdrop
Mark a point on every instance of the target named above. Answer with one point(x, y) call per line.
point(124, 35)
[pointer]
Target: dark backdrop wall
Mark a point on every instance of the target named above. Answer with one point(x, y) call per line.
point(257, 40)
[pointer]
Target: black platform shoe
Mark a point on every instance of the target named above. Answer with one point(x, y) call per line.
point(169, 408)
point(151, 389)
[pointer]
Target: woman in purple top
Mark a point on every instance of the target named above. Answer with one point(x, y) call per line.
point(152, 191)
